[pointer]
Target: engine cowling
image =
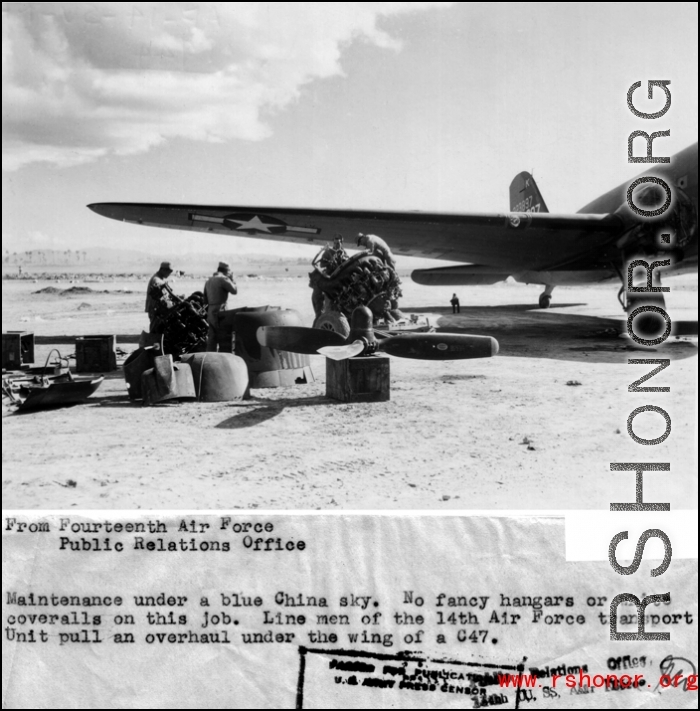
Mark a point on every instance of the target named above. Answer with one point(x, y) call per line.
point(643, 236)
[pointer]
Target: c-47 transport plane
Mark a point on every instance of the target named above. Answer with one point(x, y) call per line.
point(529, 243)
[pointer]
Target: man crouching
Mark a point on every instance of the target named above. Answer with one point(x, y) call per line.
point(216, 291)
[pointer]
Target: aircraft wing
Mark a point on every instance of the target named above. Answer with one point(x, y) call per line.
point(507, 240)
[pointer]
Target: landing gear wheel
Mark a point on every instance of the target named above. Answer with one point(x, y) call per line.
point(333, 321)
point(647, 324)
point(545, 301)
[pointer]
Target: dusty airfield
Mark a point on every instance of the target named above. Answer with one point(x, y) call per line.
point(534, 427)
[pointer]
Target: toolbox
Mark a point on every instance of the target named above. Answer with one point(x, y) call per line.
point(95, 354)
point(17, 349)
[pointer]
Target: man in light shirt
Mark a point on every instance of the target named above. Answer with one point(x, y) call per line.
point(376, 245)
point(216, 291)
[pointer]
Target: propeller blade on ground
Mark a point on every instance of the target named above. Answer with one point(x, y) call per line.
point(297, 339)
point(439, 346)
point(343, 352)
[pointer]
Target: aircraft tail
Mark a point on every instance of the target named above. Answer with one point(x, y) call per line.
point(525, 196)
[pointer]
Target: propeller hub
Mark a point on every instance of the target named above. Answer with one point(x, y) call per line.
point(361, 326)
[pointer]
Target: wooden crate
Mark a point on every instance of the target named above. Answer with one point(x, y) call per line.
point(95, 354)
point(17, 349)
point(364, 379)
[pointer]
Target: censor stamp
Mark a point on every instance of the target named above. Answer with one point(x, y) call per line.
point(347, 679)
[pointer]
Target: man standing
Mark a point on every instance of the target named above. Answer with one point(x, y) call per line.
point(216, 291)
point(158, 288)
point(455, 303)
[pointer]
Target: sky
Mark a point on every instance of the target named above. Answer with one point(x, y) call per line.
point(386, 105)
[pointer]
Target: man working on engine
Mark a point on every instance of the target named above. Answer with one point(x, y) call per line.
point(216, 291)
point(158, 289)
point(376, 245)
point(331, 257)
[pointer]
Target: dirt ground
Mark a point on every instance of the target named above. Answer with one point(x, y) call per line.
point(535, 427)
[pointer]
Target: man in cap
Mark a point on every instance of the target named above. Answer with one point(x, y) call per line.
point(376, 245)
point(158, 288)
point(216, 291)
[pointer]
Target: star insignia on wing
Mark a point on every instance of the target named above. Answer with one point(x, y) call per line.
point(255, 224)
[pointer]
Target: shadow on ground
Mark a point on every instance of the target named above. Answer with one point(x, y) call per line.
point(530, 332)
point(254, 412)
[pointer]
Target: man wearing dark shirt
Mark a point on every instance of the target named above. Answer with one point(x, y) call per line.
point(157, 290)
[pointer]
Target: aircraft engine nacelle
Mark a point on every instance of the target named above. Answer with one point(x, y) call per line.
point(469, 274)
point(643, 234)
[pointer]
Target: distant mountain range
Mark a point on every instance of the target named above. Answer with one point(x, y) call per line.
point(109, 259)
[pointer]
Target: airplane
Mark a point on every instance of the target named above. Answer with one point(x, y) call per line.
point(528, 243)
